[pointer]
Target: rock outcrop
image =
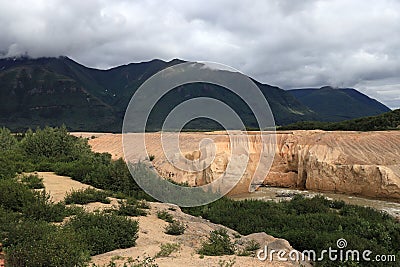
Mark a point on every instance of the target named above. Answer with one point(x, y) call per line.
point(365, 164)
point(361, 163)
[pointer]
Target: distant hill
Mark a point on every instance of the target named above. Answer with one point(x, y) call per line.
point(55, 91)
point(337, 104)
point(386, 121)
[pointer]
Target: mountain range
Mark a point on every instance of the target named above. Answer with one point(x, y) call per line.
point(57, 90)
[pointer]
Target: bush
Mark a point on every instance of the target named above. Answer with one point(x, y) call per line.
point(252, 245)
point(249, 248)
point(126, 209)
point(314, 223)
point(33, 181)
point(175, 228)
point(164, 215)
point(34, 243)
point(104, 232)
point(15, 196)
point(218, 244)
point(18, 197)
point(7, 140)
point(53, 145)
point(44, 209)
point(167, 249)
point(85, 196)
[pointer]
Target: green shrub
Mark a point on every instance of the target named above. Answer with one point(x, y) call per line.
point(314, 223)
point(252, 245)
point(164, 215)
point(8, 221)
point(85, 196)
point(7, 140)
point(15, 196)
point(175, 228)
point(143, 204)
point(41, 208)
point(249, 248)
point(33, 181)
point(104, 232)
point(167, 249)
point(35, 243)
point(126, 209)
point(218, 244)
point(53, 145)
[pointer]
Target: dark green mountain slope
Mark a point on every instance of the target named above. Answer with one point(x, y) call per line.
point(338, 104)
point(386, 121)
point(55, 91)
point(35, 93)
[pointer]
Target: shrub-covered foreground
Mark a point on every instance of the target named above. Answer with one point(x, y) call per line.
point(27, 217)
point(307, 224)
point(30, 240)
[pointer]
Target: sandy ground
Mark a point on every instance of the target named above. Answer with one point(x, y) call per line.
point(151, 233)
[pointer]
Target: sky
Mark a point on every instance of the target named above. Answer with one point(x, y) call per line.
point(287, 43)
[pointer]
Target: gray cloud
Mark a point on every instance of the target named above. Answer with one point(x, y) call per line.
point(285, 43)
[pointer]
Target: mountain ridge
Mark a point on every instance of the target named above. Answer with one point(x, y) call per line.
point(53, 91)
point(337, 104)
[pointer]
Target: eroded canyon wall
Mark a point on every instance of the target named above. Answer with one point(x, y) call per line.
point(362, 163)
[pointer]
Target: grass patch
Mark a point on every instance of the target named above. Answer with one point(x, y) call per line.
point(167, 249)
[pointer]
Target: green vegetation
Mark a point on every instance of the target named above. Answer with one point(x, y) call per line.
point(53, 149)
point(7, 140)
point(33, 181)
point(175, 228)
point(385, 121)
point(249, 248)
point(165, 216)
point(338, 104)
point(146, 261)
point(315, 223)
point(17, 197)
point(226, 263)
point(31, 239)
point(218, 243)
point(27, 217)
point(167, 249)
point(88, 195)
point(131, 208)
point(36, 243)
point(104, 232)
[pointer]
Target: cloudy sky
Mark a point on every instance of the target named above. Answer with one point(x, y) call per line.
point(288, 43)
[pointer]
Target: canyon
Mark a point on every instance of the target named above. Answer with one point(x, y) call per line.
point(357, 163)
